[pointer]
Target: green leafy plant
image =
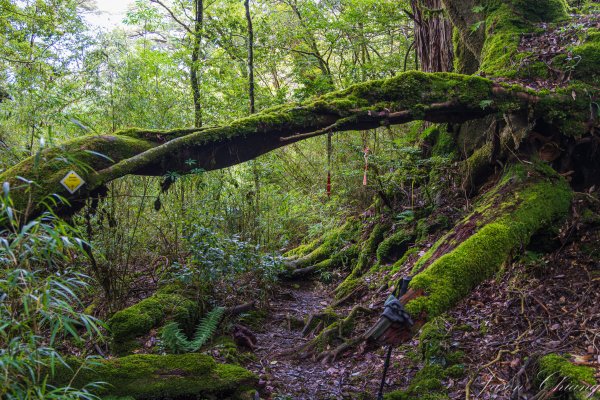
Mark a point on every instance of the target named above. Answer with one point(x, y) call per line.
point(40, 309)
point(174, 340)
point(485, 104)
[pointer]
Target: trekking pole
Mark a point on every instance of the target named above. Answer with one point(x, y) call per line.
point(401, 290)
point(386, 365)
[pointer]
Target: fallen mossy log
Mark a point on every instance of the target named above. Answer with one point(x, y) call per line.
point(98, 159)
point(148, 376)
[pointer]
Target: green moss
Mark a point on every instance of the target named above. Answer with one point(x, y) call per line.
point(227, 349)
point(445, 145)
point(542, 10)
point(514, 211)
point(433, 338)
point(139, 319)
point(558, 370)
point(369, 247)
point(438, 364)
point(504, 24)
point(303, 249)
point(465, 61)
point(394, 246)
point(347, 286)
point(84, 155)
point(337, 331)
point(333, 243)
point(153, 376)
point(588, 58)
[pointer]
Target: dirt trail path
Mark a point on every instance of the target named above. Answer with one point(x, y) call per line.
point(290, 377)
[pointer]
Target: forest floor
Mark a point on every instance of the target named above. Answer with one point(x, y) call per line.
point(543, 302)
point(551, 305)
point(288, 376)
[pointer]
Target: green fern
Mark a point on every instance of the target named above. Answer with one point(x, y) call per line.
point(206, 328)
point(174, 340)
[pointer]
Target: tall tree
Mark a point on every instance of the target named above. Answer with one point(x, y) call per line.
point(195, 29)
point(250, 56)
point(195, 66)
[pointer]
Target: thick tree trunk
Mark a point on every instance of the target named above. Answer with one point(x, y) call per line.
point(527, 198)
point(433, 36)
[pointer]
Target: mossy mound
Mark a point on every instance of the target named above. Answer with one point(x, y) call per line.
point(394, 246)
point(139, 319)
point(185, 376)
point(439, 364)
point(573, 381)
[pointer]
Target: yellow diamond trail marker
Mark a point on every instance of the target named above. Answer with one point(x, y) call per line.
point(72, 182)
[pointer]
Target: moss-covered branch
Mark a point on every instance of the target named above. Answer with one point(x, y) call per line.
point(438, 97)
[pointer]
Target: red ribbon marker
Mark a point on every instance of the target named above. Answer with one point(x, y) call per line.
point(366, 155)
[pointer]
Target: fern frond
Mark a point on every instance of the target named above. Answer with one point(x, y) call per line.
point(173, 339)
point(206, 328)
point(175, 342)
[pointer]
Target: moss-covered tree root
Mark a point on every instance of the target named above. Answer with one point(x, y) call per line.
point(335, 249)
point(439, 363)
point(529, 197)
point(185, 376)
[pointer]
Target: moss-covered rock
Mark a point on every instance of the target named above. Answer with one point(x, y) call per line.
point(394, 246)
point(139, 319)
point(146, 376)
point(524, 201)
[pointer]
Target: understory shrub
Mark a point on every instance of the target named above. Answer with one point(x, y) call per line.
point(39, 304)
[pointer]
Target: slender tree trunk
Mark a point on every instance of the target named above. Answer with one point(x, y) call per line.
point(312, 43)
point(250, 56)
point(195, 67)
point(255, 166)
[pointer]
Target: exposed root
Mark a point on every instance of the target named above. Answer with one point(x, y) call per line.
point(334, 332)
point(327, 357)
